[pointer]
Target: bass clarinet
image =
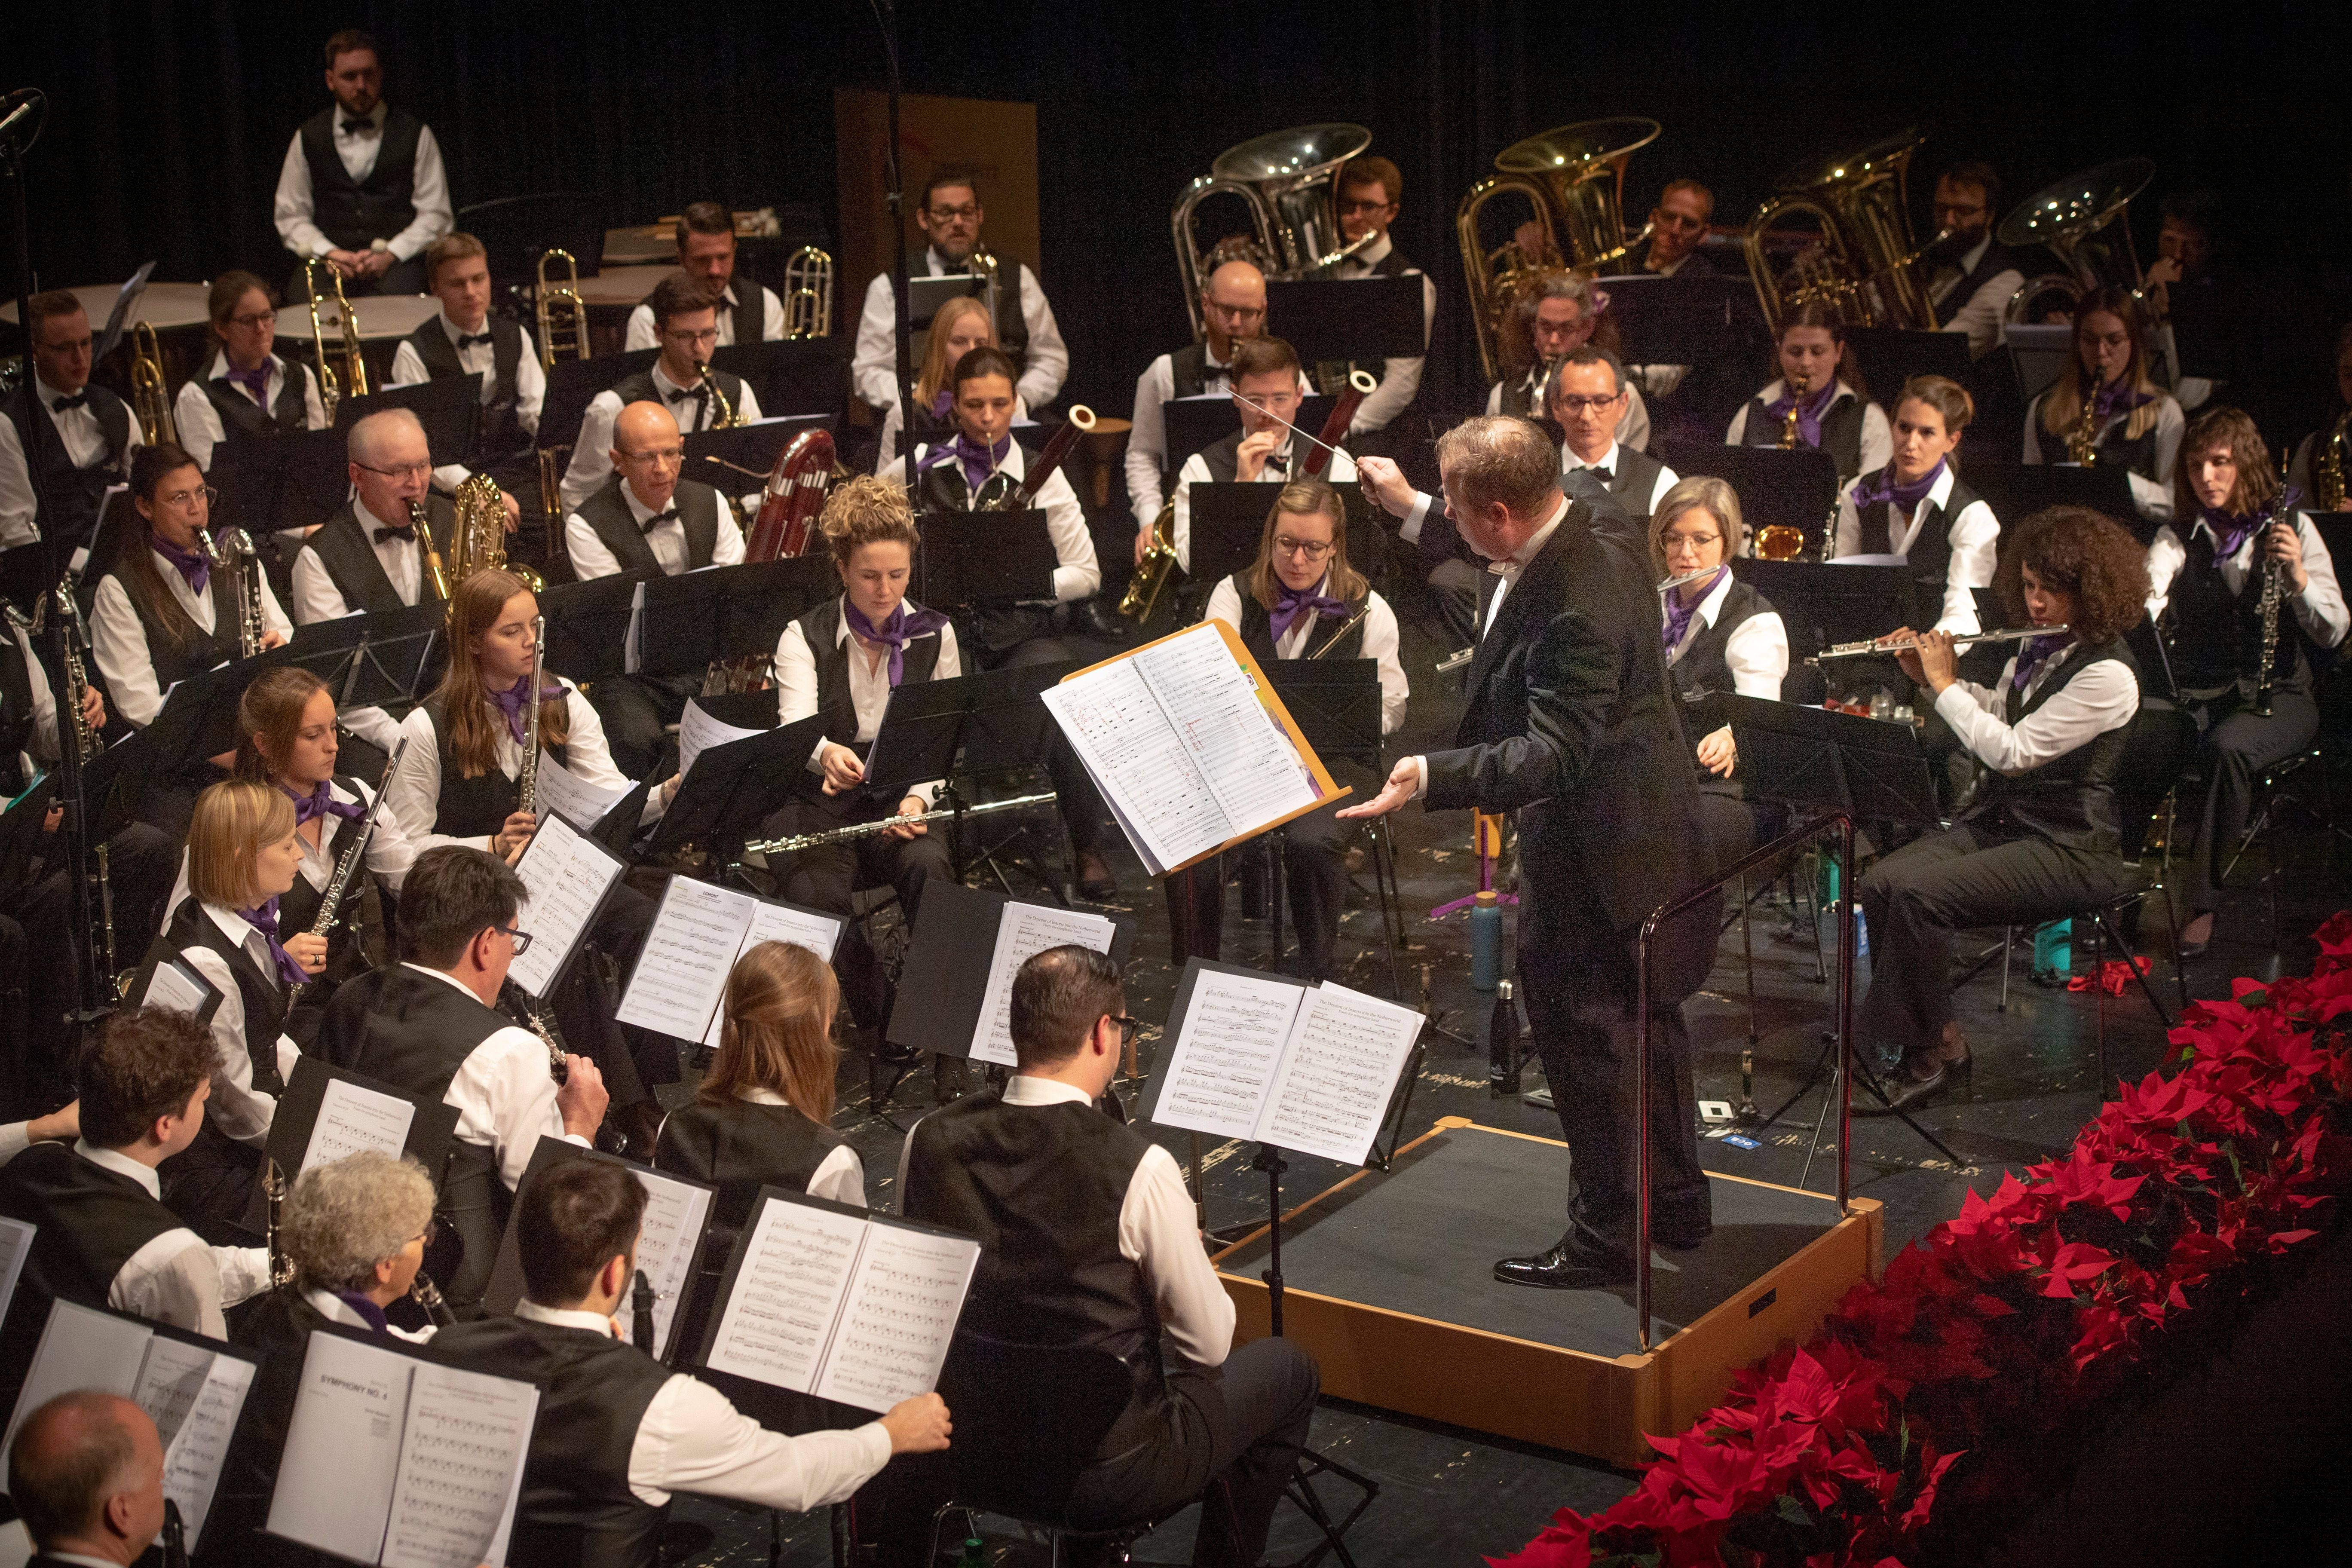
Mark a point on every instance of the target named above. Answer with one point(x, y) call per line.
point(242, 564)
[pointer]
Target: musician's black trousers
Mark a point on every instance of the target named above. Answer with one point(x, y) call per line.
point(2238, 745)
point(825, 877)
point(1453, 583)
point(635, 709)
point(1915, 898)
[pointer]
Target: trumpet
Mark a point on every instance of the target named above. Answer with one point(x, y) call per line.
point(353, 380)
point(808, 294)
point(150, 394)
point(793, 843)
point(1869, 645)
point(561, 312)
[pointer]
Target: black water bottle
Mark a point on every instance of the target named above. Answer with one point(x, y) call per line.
point(1503, 1043)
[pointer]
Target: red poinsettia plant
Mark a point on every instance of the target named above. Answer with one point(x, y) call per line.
point(1921, 1419)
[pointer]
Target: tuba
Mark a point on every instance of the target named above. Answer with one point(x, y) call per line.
point(2327, 465)
point(808, 294)
point(2080, 220)
point(1289, 180)
point(353, 380)
point(1861, 263)
point(150, 394)
point(1574, 178)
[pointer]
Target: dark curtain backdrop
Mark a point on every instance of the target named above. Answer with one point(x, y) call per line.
point(169, 118)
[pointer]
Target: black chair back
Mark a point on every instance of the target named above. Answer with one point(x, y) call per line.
point(2162, 744)
point(1028, 1419)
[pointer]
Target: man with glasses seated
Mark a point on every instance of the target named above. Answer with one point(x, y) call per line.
point(430, 1025)
point(1586, 398)
point(86, 445)
point(647, 517)
point(1971, 275)
point(1232, 309)
point(685, 325)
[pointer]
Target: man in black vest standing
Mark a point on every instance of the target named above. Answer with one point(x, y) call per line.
point(1088, 1240)
point(618, 1432)
point(687, 325)
point(646, 518)
point(1970, 274)
point(80, 445)
point(430, 1025)
point(1371, 193)
point(465, 339)
point(747, 312)
point(1232, 309)
point(86, 1473)
point(362, 188)
point(1571, 724)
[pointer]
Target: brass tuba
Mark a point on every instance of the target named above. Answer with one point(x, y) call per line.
point(352, 381)
point(150, 394)
point(1574, 178)
point(561, 312)
point(808, 294)
point(2080, 220)
point(2327, 465)
point(1863, 262)
point(1289, 180)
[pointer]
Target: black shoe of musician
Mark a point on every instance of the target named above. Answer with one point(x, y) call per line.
point(1581, 1262)
point(1096, 883)
point(1095, 619)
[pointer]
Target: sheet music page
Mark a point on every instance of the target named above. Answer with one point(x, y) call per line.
point(565, 877)
point(461, 1464)
point(788, 1294)
point(353, 1118)
point(204, 1412)
point(171, 987)
point(15, 1240)
point(1246, 758)
point(1227, 1053)
point(1026, 929)
point(698, 731)
point(771, 923)
point(564, 794)
point(170, 1376)
point(667, 1245)
point(900, 1314)
point(81, 1348)
point(1337, 1072)
point(1132, 751)
point(342, 1447)
point(629, 649)
point(681, 975)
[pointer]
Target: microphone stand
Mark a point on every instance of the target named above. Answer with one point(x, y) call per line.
point(18, 131)
point(886, 15)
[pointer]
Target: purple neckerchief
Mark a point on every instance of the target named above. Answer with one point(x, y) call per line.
point(321, 802)
point(509, 702)
point(368, 1310)
point(2038, 651)
point(254, 382)
point(2231, 528)
point(941, 403)
point(1290, 603)
point(894, 634)
point(1906, 497)
point(2115, 397)
point(1809, 413)
point(190, 563)
point(1679, 610)
point(265, 920)
point(978, 461)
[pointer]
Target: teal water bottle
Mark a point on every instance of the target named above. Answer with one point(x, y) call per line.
point(1486, 941)
point(2054, 950)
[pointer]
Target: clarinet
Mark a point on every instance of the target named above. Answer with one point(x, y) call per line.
point(347, 865)
point(427, 1295)
point(2273, 593)
point(532, 1016)
point(176, 1536)
point(641, 1314)
point(273, 1187)
point(527, 771)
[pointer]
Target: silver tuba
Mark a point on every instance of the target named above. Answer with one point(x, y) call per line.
point(1290, 181)
point(2080, 220)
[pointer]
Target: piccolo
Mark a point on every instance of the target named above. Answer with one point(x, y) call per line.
point(1871, 646)
point(799, 841)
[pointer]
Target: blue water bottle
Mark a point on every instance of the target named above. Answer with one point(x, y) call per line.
point(1486, 941)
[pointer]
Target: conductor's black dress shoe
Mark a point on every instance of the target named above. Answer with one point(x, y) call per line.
point(1580, 1262)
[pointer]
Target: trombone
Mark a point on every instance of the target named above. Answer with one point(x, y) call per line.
point(808, 294)
point(352, 382)
point(561, 312)
point(150, 394)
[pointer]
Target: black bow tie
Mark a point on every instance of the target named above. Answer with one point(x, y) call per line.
point(1600, 472)
point(658, 518)
point(78, 400)
point(407, 533)
point(358, 127)
point(467, 339)
point(679, 394)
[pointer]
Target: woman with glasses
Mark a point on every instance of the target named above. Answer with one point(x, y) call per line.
point(1301, 599)
point(685, 329)
point(1817, 397)
point(248, 390)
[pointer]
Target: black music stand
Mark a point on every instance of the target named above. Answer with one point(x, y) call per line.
point(2016, 491)
point(738, 459)
point(198, 719)
point(588, 624)
point(518, 230)
point(926, 295)
point(1794, 488)
point(982, 557)
point(113, 780)
point(431, 1125)
point(732, 788)
point(793, 375)
point(1685, 320)
point(947, 960)
point(573, 385)
point(1193, 423)
point(21, 846)
point(1350, 318)
point(384, 659)
point(1821, 604)
point(282, 483)
point(1893, 355)
point(446, 406)
point(1337, 705)
point(682, 624)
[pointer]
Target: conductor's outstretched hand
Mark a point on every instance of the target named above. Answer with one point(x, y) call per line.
point(1403, 779)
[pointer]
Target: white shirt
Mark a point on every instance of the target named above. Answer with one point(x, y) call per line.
point(1078, 573)
point(1276, 469)
point(316, 598)
point(2319, 609)
point(119, 641)
point(1512, 566)
point(176, 1278)
point(592, 456)
point(44, 738)
point(1877, 436)
point(1570, 463)
point(1157, 1232)
point(85, 445)
point(415, 787)
point(530, 382)
point(691, 1439)
point(1400, 377)
point(2103, 697)
point(1974, 534)
point(429, 193)
point(2152, 491)
point(797, 696)
point(504, 1093)
point(1982, 314)
point(839, 1177)
point(239, 1109)
point(590, 558)
point(640, 333)
point(1632, 426)
point(1379, 630)
point(893, 426)
point(199, 422)
point(874, 367)
point(1757, 650)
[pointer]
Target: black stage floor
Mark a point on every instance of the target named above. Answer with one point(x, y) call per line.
point(1452, 1496)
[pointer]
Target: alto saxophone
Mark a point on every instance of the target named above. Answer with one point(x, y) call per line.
point(1152, 572)
point(722, 416)
point(2082, 440)
point(1789, 421)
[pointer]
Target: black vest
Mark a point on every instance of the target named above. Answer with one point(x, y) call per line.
point(749, 312)
point(500, 428)
point(69, 497)
point(1702, 676)
point(1841, 430)
point(240, 415)
point(1519, 392)
point(698, 414)
point(345, 548)
point(15, 714)
point(1257, 628)
point(607, 512)
point(577, 1511)
point(476, 807)
point(1188, 371)
point(352, 213)
point(1041, 1186)
point(1223, 460)
point(820, 628)
point(740, 1147)
point(265, 1000)
point(1996, 259)
point(2069, 800)
point(89, 1222)
point(1012, 325)
point(176, 646)
point(2112, 449)
point(1930, 555)
point(297, 908)
point(1632, 477)
point(2217, 638)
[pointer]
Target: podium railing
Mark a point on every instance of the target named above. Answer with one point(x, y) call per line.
point(1802, 833)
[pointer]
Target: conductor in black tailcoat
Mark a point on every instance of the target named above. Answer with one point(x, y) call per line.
point(1570, 724)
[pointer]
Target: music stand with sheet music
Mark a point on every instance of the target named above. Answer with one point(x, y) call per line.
point(1336, 703)
point(738, 459)
point(1821, 603)
point(431, 1126)
point(447, 407)
point(198, 719)
point(983, 557)
point(1350, 318)
point(2016, 491)
point(1795, 487)
point(735, 786)
point(573, 385)
point(791, 376)
point(588, 624)
point(118, 320)
point(946, 975)
point(282, 483)
point(1195, 423)
point(688, 622)
point(384, 659)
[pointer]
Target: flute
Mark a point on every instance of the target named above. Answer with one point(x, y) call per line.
point(1870, 645)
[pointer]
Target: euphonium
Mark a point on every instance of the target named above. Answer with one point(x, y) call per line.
point(2081, 221)
point(561, 314)
point(352, 381)
point(1864, 263)
point(2327, 465)
point(1286, 180)
point(150, 394)
point(808, 294)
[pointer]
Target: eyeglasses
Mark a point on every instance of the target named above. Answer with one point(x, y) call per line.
point(1312, 549)
point(970, 213)
point(188, 498)
point(521, 939)
point(1128, 1028)
point(259, 319)
point(664, 454)
point(708, 335)
point(1349, 208)
point(1570, 403)
point(430, 1233)
point(1239, 312)
point(1674, 543)
point(404, 472)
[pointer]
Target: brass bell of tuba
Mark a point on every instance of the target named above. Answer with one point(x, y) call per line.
point(1860, 261)
point(2081, 221)
point(1289, 180)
